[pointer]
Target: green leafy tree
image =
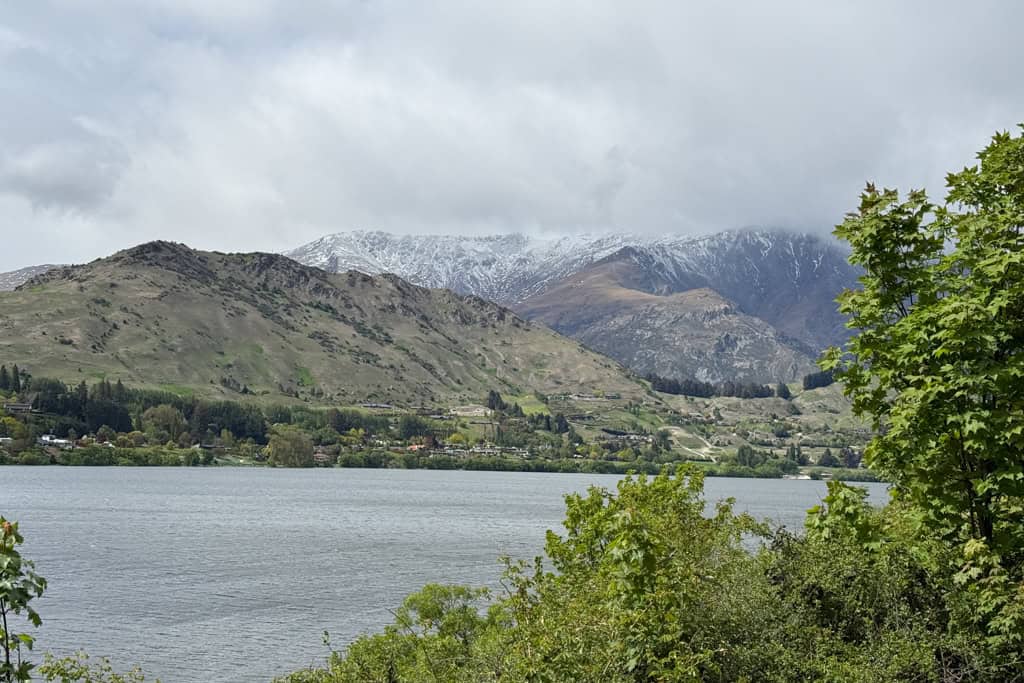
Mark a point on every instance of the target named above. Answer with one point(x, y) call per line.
point(163, 423)
point(411, 426)
point(850, 458)
point(938, 365)
point(19, 585)
point(290, 447)
point(796, 454)
point(647, 584)
point(632, 571)
point(663, 440)
point(748, 457)
point(782, 391)
point(105, 434)
point(827, 459)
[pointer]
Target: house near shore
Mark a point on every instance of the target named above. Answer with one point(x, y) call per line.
point(54, 442)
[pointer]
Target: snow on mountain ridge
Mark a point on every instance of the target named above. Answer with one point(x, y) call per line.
point(15, 278)
point(503, 268)
point(510, 268)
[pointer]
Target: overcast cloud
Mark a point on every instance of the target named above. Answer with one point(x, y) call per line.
point(263, 124)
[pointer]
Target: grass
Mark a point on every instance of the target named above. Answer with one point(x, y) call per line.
point(530, 404)
point(157, 332)
point(305, 377)
point(686, 440)
point(178, 390)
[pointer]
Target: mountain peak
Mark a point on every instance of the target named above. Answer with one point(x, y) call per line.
point(786, 279)
point(163, 315)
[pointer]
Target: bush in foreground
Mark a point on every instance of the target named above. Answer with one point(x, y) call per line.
point(644, 587)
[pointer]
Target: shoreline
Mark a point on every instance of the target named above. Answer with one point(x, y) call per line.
point(393, 461)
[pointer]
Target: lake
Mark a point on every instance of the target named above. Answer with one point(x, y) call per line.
point(232, 574)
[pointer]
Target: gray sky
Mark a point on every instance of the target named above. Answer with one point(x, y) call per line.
point(263, 124)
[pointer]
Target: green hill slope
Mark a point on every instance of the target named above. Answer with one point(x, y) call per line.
point(164, 315)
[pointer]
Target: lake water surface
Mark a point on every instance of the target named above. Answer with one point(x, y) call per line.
point(232, 574)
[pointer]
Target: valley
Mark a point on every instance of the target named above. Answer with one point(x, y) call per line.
point(440, 379)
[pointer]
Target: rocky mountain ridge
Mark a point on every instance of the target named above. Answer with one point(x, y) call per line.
point(787, 280)
point(622, 308)
point(14, 278)
point(166, 316)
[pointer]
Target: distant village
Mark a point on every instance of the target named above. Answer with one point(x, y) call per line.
point(49, 422)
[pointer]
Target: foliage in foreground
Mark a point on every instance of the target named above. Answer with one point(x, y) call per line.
point(644, 587)
point(931, 588)
point(938, 365)
point(81, 668)
point(19, 585)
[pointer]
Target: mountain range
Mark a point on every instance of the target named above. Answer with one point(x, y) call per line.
point(748, 305)
point(613, 307)
point(751, 305)
point(163, 315)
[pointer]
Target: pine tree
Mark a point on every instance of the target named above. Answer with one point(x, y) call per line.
point(120, 394)
point(5, 379)
point(561, 424)
point(494, 401)
point(15, 379)
point(82, 397)
point(102, 391)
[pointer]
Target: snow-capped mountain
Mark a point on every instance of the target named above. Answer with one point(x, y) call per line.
point(502, 268)
point(788, 280)
point(622, 307)
point(15, 278)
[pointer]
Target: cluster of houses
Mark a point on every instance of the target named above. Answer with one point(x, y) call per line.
point(631, 437)
point(465, 452)
point(49, 440)
point(46, 441)
point(585, 397)
point(456, 452)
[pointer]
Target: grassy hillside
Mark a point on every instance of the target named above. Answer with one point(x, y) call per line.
point(213, 324)
point(815, 420)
